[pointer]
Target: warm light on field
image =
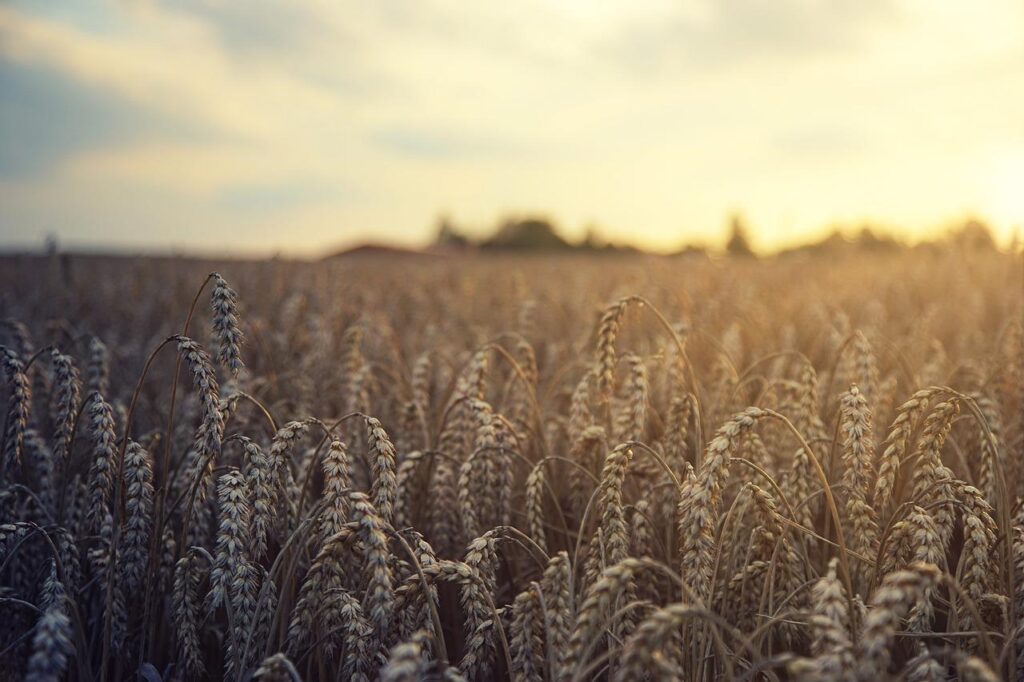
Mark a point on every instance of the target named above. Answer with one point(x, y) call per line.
point(1007, 203)
point(529, 341)
point(202, 126)
point(395, 467)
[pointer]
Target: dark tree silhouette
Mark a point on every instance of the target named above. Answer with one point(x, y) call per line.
point(528, 234)
point(738, 244)
point(448, 235)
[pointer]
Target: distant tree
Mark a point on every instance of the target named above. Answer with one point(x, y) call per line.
point(738, 244)
point(50, 245)
point(693, 251)
point(835, 241)
point(447, 235)
point(528, 234)
point(869, 240)
point(592, 240)
point(973, 235)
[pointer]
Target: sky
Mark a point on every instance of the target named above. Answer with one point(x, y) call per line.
point(299, 127)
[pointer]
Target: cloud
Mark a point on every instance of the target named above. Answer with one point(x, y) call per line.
point(815, 143)
point(425, 144)
point(171, 63)
point(717, 33)
point(278, 197)
point(47, 116)
point(125, 119)
point(255, 27)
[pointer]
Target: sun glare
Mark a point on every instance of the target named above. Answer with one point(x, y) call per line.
point(1007, 183)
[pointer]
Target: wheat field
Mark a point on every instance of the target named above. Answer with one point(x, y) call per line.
point(513, 467)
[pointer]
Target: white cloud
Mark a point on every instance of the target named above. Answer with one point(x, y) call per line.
point(655, 117)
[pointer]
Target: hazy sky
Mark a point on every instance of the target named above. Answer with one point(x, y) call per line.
point(298, 126)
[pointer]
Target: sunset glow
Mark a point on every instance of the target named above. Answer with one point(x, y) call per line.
point(300, 127)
